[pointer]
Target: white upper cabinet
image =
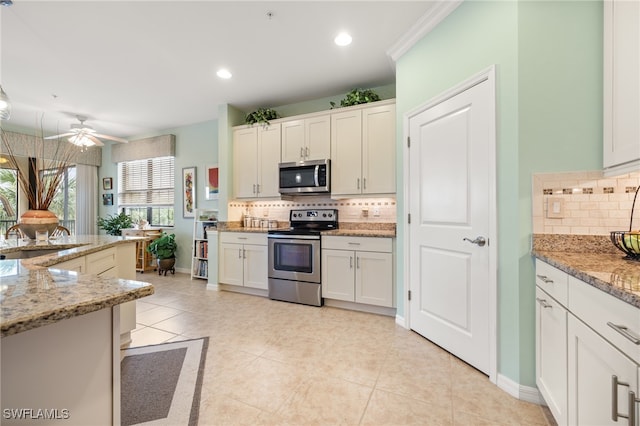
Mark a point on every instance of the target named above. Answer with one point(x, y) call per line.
point(256, 154)
point(621, 86)
point(306, 139)
point(363, 151)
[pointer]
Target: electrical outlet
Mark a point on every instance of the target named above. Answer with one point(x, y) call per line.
point(376, 211)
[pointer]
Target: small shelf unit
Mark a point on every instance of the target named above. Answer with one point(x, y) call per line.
point(204, 225)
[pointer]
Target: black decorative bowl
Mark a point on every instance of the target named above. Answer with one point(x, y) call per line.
point(627, 242)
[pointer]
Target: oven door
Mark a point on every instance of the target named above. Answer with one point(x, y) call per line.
point(294, 257)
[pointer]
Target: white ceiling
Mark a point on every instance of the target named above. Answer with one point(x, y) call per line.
point(137, 67)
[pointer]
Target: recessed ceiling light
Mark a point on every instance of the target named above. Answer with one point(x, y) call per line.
point(223, 73)
point(343, 39)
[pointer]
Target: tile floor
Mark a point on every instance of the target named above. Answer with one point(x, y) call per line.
point(277, 363)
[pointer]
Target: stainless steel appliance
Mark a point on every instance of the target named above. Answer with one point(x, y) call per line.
point(294, 256)
point(305, 177)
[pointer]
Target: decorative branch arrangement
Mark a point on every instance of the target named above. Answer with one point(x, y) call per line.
point(47, 165)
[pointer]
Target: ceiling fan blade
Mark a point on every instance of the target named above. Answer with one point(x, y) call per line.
point(60, 136)
point(95, 140)
point(111, 138)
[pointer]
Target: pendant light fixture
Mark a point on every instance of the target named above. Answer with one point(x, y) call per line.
point(5, 105)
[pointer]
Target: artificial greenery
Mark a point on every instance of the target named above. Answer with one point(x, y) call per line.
point(356, 97)
point(163, 247)
point(113, 224)
point(261, 115)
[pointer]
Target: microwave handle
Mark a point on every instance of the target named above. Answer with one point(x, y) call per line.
point(315, 175)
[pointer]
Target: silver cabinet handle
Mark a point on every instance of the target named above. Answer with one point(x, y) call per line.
point(306, 152)
point(364, 183)
point(350, 262)
point(353, 244)
point(624, 330)
point(244, 253)
point(257, 188)
point(239, 253)
point(480, 241)
point(545, 279)
point(242, 238)
point(614, 398)
point(357, 262)
point(632, 408)
point(254, 188)
point(301, 152)
point(543, 303)
point(358, 183)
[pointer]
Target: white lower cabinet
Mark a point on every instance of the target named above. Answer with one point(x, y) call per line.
point(551, 354)
point(358, 269)
point(243, 259)
point(587, 351)
point(595, 366)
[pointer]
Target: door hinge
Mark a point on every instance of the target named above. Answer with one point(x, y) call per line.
point(408, 141)
point(409, 218)
point(409, 294)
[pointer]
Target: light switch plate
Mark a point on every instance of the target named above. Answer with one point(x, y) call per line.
point(555, 207)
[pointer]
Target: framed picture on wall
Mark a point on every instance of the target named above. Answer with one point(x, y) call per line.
point(107, 183)
point(107, 199)
point(188, 192)
point(212, 185)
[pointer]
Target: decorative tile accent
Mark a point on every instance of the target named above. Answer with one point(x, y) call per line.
point(567, 190)
point(547, 191)
point(587, 190)
point(629, 189)
point(608, 190)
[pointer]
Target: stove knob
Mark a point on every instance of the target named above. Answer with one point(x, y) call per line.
point(330, 214)
point(324, 215)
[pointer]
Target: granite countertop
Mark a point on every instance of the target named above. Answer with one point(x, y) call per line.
point(594, 260)
point(33, 295)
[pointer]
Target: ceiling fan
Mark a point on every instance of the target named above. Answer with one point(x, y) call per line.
point(85, 136)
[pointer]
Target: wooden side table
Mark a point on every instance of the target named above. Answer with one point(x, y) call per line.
point(144, 259)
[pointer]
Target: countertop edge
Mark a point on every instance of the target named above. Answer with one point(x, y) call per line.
point(607, 287)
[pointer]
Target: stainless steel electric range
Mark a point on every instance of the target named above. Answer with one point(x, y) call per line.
point(294, 256)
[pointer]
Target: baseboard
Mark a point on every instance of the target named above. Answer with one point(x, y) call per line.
point(401, 322)
point(244, 290)
point(212, 286)
point(352, 306)
point(523, 393)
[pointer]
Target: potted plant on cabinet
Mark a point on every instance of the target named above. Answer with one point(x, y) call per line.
point(164, 250)
point(113, 224)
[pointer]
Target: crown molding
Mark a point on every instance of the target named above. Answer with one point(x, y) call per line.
point(425, 24)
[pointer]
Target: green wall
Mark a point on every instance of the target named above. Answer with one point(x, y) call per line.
point(548, 58)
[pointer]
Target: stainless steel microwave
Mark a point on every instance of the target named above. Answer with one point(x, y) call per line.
point(305, 177)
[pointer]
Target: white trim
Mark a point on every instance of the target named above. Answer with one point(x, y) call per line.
point(516, 390)
point(402, 322)
point(361, 307)
point(488, 75)
point(425, 24)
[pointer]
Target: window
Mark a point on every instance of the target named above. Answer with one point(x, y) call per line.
point(146, 189)
point(8, 198)
point(64, 202)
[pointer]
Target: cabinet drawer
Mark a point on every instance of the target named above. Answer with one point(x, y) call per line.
point(553, 281)
point(383, 245)
point(77, 265)
point(598, 309)
point(243, 238)
point(101, 261)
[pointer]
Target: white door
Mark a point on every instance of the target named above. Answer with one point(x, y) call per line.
point(450, 193)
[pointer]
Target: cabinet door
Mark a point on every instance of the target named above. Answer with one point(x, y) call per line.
point(551, 354)
point(374, 278)
point(293, 137)
point(346, 153)
point(231, 264)
point(338, 272)
point(78, 265)
point(245, 162)
point(379, 150)
point(268, 159)
point(255, 266)
point(592, 362)
point(621, 82)
point(317, 138)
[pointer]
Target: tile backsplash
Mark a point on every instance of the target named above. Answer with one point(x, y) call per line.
point(584, 203)
point(374, 210)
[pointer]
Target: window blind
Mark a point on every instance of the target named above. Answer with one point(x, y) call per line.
point(147, 182)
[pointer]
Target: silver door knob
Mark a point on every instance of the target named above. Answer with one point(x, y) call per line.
point(480, 241)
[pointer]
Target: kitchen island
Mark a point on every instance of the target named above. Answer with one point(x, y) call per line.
point(61, 328)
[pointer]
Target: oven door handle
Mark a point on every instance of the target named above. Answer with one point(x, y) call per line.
point(293, 237)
